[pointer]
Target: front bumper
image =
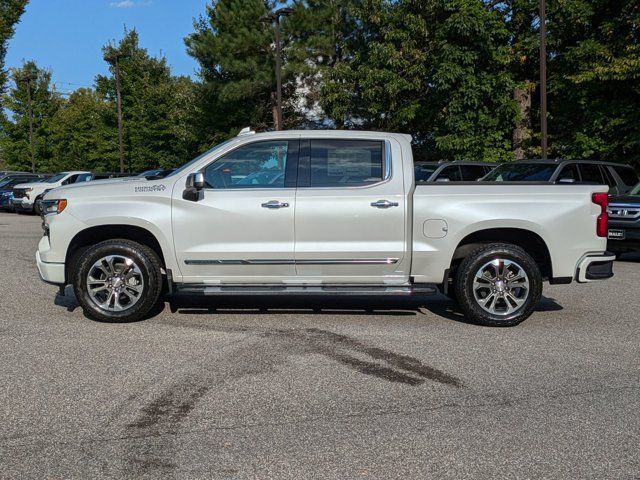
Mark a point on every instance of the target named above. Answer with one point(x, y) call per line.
point(595, 266)
point(50, 272)
point(22, 205)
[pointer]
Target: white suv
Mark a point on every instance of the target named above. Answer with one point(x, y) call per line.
point(26, 196)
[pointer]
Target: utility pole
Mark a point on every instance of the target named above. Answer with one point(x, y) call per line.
point(113, 58)
point(274, 19)
point(543, 78)
point(28, 78)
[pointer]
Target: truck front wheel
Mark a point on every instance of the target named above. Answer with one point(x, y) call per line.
point(498, 285)
point(117, 280)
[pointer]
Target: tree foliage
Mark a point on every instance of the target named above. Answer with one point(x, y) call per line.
point(461, 76)
point(10, 13)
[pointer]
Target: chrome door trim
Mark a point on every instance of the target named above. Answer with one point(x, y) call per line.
point(328, 261)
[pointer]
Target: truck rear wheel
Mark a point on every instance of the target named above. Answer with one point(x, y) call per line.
point(117, 281)
point(498, 285)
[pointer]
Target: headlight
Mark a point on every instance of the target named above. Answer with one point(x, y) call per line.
point(53, 207)
point(28, 189)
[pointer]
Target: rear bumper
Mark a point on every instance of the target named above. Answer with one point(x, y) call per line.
point(50, 272)
point(595, 267)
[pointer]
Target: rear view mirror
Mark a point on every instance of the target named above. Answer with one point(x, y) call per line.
point(195, 183)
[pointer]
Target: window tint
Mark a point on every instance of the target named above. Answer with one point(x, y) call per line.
point(607, 176)
point(569, 172)
point(591, 174)
point(451, 173)
point(85, 177)
point(627, 175)
point(471, 173)
point(56, 178)
point(522, 172)
point(71, 179)
point(257, 165)
point(338, 163)
point(423, 171)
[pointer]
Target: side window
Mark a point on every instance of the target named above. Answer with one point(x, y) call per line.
point(451, 173)
point(345, 163)
point(70, 180)
point(591, 174)
point(608, 178)
point(569, 172)
point(84, 177)
point(627, 175)
point(471, 173)
point(257, 165)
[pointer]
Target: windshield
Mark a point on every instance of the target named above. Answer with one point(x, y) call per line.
point(199, 157)
point(521, 172)
point(6, 181)
point(56, 178)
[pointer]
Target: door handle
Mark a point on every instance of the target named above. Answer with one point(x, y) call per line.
point(273, 204)
point(384, 204)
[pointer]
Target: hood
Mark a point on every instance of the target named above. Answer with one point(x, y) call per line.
point(111, 187)
point(30, 185)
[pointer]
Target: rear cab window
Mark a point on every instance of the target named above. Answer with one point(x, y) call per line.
point(341, 163)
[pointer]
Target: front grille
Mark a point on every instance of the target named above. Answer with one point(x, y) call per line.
point(19, 193)
point(624, 211)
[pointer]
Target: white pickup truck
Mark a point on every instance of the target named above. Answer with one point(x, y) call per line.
point(319, 212)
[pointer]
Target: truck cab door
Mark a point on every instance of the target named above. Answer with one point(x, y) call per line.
point(351, 208)
point(241, 228)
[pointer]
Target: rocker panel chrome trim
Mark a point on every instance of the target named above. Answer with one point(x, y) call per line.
point(358, 261)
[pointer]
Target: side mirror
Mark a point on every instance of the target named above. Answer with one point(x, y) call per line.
point(567, 180)
point(195, 183)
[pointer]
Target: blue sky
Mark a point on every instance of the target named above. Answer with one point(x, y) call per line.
point(66, 36)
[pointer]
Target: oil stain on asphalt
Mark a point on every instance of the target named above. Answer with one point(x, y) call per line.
point(170, 408)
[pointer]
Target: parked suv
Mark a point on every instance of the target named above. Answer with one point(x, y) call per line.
point(460, 171)
point(624, 222)
point(25, 195)
point(620, 178)
point(11, 180)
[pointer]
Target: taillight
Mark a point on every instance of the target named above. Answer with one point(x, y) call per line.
point(601, 199)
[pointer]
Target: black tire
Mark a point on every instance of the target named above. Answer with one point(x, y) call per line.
point(150, 270)
point(474, 262)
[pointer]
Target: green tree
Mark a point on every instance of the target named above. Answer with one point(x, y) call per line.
point(237, 64)
point(45, 103)
point(84, 134)
point(10, 13)
point(154, 107)
point(594, 79)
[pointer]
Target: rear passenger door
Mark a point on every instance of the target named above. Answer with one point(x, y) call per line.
point(350, 212)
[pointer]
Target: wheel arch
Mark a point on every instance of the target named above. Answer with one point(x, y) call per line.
point(528, 240)
point(96, 234)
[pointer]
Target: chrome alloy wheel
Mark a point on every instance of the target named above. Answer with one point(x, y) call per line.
point(115, 283)
point(501, 287)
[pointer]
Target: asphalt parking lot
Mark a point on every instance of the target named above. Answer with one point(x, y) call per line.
point(293, 388)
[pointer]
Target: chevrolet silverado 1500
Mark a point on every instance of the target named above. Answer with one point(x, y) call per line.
point(319, 212)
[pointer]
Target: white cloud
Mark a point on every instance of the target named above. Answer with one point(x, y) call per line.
point(130, 3)
point(122, 4)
